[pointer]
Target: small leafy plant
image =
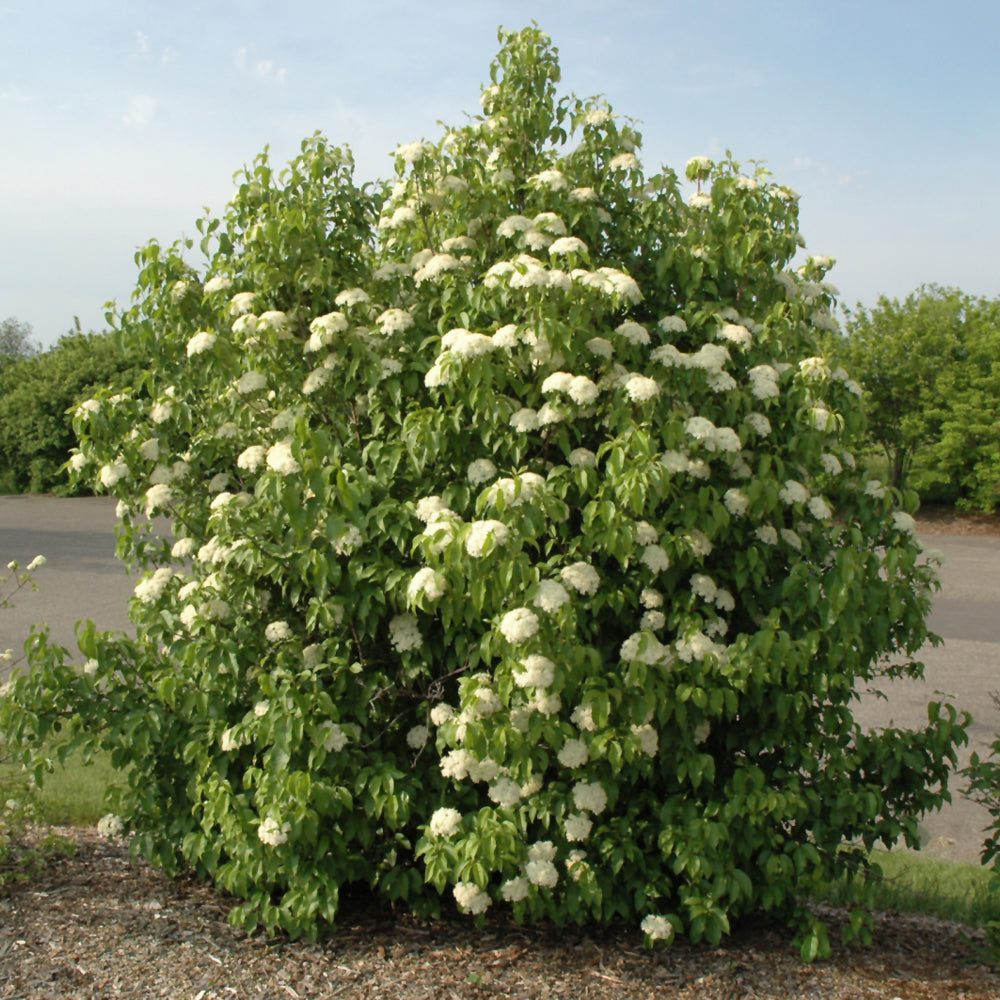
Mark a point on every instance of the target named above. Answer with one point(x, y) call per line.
point(519, 555)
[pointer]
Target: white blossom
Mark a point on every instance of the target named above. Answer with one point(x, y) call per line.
point(149, 589)
point(542, 873)
point(519, 625)
point(349, 540)
point(200, 343)
point(404, 634)
point(582, 458)
point(278, 631)
point(525, 420)
point(218, 283)
point(241, 303)
point(438, 264)
point(252, 458)
point(577, 826)
point(251, 382)
point(412, 152)
point(793, 492)
point(483, 533)
point(649, 739)
point(110, 826)
point(590, 796)
point(426, 583)
point(573, 753)
point(582, 577)
point(351, 297)
point(819, 508)
point(567, 245)
point(550, 596)
point(158, 497)
point(657, 928)
point(112, 474)
point(416, 737)
point(656, 558)
point(279, 458)
point(273, 833)
point(445, 822)
point(553, 179)
point(640, 388)
point(394, 321)
point(514, 890)
point(334, 737)
point(600, 347)
point(624, 161)
point(505, 792)
point(767, 533)
point(538, 672)
point(791, 538)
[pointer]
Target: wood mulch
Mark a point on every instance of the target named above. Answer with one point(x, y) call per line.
point(935, 520)
point(99, 926)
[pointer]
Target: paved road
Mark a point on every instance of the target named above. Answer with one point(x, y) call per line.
point(82, 579)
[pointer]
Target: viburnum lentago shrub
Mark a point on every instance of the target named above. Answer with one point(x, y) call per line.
point(519, 557)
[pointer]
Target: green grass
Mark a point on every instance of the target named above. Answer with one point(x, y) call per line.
point(935, 887)
point(73, 794)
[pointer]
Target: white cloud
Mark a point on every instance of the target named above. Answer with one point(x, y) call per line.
point(15, 96)
point(263, 69)
point(808, 163)
point(142, 40)
point(140, 110)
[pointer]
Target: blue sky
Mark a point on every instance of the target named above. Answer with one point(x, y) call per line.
point(122, 120)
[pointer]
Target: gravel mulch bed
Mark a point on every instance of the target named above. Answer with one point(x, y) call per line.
point(99, 925)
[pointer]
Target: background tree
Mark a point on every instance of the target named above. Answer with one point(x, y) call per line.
point(898, 351)
point(965, 455)
point(15, 341)
point(38, 394)
point(930, 367)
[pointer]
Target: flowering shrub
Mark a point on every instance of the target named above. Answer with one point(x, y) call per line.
point(518, 555)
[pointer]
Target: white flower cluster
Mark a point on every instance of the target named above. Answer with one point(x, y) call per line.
point(550, 596)
point(582, 390)
point(426, 583)
point(713, 438)
point(445, 822)
point(657, 928)
point(404, 633)
point(334, 739)
point(470, 898)
point(519, 625)
point(150, 589)
point(582, 577)
point(110, 826)
point(273, 833)
point(539, 672)
point(485, 533)
point(279, 458)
